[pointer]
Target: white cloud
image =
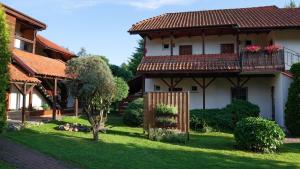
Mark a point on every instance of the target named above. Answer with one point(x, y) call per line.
point(142, 4)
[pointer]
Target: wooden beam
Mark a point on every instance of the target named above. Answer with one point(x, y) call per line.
point(171, 46)
point(172, 84)
point(198, 83)
point(203, 43)
point(34, 42)
point(30, 99)
point(54, 100)
point(228, 78)
point(244, 82)
point(210, 82)
point(24, 102)
point(177, 82)
point(166, 82)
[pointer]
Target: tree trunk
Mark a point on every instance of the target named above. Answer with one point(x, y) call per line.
point(95, 133)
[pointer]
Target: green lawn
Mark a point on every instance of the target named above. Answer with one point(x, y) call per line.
point(126, 147)
point(4, 165)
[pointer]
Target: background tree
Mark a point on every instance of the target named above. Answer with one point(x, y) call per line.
point(291, 4)
point(5, 56)
point(136, 58)
point(82, 52)
point(292, 111)
point(122, 89)
point(121, 71)
point(92, 82)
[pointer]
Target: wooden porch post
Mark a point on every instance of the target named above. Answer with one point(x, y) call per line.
point(24, 102)
point(76, 106)
point(203, 90)
point(30, 99)
point(54, 99)
point(171, 46)
point(203, 43)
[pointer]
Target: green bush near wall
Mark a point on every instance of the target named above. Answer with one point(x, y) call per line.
point(5, 56)
point(222, 119)
point(134, 113)
point(292, 111)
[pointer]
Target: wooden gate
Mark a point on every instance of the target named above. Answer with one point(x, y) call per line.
point(178, 99)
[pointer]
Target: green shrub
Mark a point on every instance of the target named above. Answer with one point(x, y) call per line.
point(4, 61)
point(222, 119)
point(45, 106)
point(207, 120)
point(167, 135)
point(259, 135)
point(240, 109)
point(292, 111)
point(134, 113)
point(163, 109)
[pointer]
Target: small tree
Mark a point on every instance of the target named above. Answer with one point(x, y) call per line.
point(292, 111)
point(291, 4)
point(92, 82)
point(5, 56)
point(121, 89)
point(121, 71)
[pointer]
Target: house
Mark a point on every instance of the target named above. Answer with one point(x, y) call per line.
point(221, 55)
point(37, 71)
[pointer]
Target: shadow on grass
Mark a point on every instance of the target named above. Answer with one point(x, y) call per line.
point(128, 134)
point(114, 154)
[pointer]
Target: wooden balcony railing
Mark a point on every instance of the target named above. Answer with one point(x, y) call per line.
point(260, 61)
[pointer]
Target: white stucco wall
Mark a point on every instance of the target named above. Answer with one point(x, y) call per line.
point(212, 43)
point(218, 94)
point(290, 39)
point(16, 99)
point(282, 84)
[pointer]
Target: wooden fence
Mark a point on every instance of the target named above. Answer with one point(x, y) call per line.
point(177, 99)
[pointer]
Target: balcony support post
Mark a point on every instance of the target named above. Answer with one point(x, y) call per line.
point(203, 43)
point(171, 45)
point(54, 100)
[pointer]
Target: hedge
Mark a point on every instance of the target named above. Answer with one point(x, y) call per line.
point(134, 113)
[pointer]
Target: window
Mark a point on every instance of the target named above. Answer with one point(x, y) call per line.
point(194, 88)
point(156, 88)
point(166, 46)
point(176, 89)
point(227, 48)
point(186, 50)
point(238, 93)
point(248, 42)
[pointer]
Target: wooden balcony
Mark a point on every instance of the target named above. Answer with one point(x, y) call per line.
point(262, 61)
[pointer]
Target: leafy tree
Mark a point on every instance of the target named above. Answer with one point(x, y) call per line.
point(291, 4)
point(4, 61)
point(92, 82)
point(136, 58)
point(121, 71)
point(292, 111)
point(82, 52)
point(122, 89)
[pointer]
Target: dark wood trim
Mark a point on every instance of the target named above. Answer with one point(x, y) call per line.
point(171, 45)
point(76, 106)
point(203, 43)
point(244, 82)
point(204, 87)
point(54, 100)
point(166, 82)
point(34, 42)
point(143, 85)
point(177, 82)
point(24, 39)
point(24, 102)
point(233, 84)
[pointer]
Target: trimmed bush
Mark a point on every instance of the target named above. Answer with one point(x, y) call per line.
point(163, 109)
point(259, 135)
point(134, 113)
point(167, 135)
point(240, 109)
point(4, 61)
point(222, 119)
point(292, 111)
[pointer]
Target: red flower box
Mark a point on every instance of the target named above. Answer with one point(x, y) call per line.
point(252, 48)
point(273, 48)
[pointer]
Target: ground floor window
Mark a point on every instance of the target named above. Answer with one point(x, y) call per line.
point(239, 93)
point(176, 89)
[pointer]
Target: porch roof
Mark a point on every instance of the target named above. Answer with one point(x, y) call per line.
point(189, 63)
point(39, 65)
point(266, 17)
point(17, 75)
point(52, 46)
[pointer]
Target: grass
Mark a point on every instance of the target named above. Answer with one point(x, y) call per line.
point(127, 147)
point(4, 165)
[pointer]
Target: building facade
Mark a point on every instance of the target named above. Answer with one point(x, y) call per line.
point(222, 55)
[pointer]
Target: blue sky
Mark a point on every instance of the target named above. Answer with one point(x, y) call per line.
point(101, 25)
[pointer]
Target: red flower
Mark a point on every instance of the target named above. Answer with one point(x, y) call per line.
point(273, 48)
point(252, 48)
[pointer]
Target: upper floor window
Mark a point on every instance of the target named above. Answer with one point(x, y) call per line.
point(227, 48)
point(248, 42)
point(185, 50)
point(165, 46)
point(24, 37)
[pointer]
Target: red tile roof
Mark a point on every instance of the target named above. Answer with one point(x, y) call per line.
point(40, 65)
point(17, 75)
point(244, 18)
point(189, 63)
point(52, 46)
